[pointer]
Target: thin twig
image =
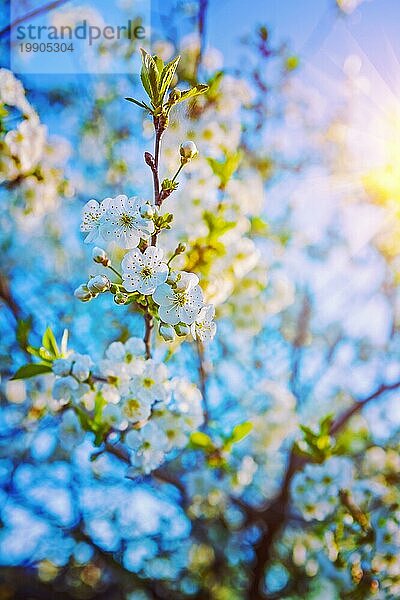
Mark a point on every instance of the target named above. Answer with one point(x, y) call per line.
point(153, 163)
point(28, 16)
point(149, 324)
point(7, 298)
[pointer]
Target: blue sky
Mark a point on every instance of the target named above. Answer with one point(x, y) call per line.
point(313, 28)
point(307, 25)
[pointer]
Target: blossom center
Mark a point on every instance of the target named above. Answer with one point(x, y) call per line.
point(146, 272)
point(181, 299)
point(126, 220)
point(147, 382)
point(131, 407)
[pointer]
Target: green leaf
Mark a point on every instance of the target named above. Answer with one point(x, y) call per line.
point(144, 75)
point(201, 440)
point(214, 84)
point(145, 82)
point(198, 89)
point(159, 64)
point(99, 404)
point(24, 327)
point(31, 371)
point(141, 104)
point(49, 342)
point(150, 76)
point(33, 351)
point(224, 169)
point(168, 185)
point(83, 418)
point(259, 226)
point(301, 451)
point(167, 75)
point(217, 225)
point(326, 423)
point(241, 431)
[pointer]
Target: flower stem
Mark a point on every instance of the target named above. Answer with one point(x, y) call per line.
point(177, 173)
point(173, 256)
point(115, 271)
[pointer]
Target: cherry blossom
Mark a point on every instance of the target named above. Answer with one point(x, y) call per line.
point(144, 272)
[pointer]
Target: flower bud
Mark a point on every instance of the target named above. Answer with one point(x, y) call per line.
point(180, 248)
point(186, 281)
point(100, 256)
point(188, 150)
point(174, 96)
point(120, 298)
point(99, 284)
point(182, 329)
point(83, 293)
point(147, 211)
point(167, 332)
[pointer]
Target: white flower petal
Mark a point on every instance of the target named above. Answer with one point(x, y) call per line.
point(168, 313)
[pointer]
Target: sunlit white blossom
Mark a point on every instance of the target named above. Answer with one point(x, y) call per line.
point(143, 272)
point(204, 328)
point(123, 222)
point(151, 383)
point(148, 446)
point(176, 305)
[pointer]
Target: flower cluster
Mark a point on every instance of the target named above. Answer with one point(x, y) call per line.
point(133, 398)
point(316, 489)
point(23, 146)
point(385, 560)
point(120, 219)
point(173, 296)
point(26, 155)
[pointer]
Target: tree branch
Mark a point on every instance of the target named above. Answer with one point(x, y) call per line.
point(273, 518)
point(6, 297)
point(30, 15)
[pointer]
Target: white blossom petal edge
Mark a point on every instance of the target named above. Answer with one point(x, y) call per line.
point(204, 328)
point(92, 213)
